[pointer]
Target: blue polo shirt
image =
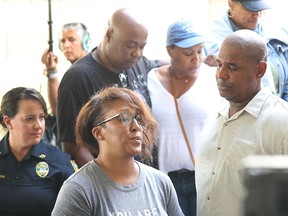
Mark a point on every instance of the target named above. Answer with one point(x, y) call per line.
point(30, 186)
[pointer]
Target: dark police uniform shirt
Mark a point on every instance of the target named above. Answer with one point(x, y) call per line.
point(30, 187)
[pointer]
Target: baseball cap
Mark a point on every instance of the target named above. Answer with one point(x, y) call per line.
point(184, 34)
point(255, 5)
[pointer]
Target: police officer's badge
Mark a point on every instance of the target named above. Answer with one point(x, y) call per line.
point(42, 169)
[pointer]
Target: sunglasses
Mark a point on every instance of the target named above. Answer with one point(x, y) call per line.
point(126, 118)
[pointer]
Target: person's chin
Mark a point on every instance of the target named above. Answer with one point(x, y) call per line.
point(35, 141)
point(224, 92)
point(226, 96)
point(136, 151)
point(252, 25)
point(223, 89)
point(129, 65)
point(69, 56)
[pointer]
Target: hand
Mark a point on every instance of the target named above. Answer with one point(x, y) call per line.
point(50, 60)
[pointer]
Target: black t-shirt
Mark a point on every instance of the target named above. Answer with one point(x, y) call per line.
point(86, 77)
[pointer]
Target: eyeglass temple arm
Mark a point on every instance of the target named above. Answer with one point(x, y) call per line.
point(106, 120)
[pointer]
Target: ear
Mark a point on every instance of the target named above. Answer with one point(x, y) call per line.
point(261, 68)
point(230, 4)
point(109, 33)
point(98, 133)
point(169, 50)
point(7, 122)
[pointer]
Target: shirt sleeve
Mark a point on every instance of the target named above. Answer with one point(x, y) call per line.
point(71, 201)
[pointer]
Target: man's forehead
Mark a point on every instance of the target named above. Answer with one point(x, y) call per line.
point(231, 54)
point(134, 37)
point(69, 33)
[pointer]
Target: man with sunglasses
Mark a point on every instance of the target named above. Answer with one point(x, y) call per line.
point(117, 61)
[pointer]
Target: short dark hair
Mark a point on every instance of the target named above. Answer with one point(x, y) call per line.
point(10, 101)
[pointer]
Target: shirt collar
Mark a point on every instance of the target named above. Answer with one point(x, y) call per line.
point(253, 107)
point(35, 151)
point(4, 148)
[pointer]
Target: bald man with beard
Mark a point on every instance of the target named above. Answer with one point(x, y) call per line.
point(117, 61)
point(253, 123)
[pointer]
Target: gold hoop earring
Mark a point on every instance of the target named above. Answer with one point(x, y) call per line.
point(230, 13)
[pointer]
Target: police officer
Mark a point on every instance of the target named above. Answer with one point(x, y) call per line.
point(31, 170)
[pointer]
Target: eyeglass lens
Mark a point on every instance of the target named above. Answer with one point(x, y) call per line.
point(127, 118)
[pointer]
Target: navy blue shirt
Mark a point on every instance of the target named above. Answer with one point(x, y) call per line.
point(30, 186)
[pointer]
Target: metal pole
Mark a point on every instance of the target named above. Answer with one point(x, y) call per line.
point(50, 41)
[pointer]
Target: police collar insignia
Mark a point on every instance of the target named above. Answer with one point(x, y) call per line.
point(42, 155)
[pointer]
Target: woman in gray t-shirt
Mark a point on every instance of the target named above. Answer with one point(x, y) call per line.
point(118, 125)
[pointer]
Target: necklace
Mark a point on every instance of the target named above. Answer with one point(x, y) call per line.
point(186, 80)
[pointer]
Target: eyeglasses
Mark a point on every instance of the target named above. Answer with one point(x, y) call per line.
point(126, 118)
